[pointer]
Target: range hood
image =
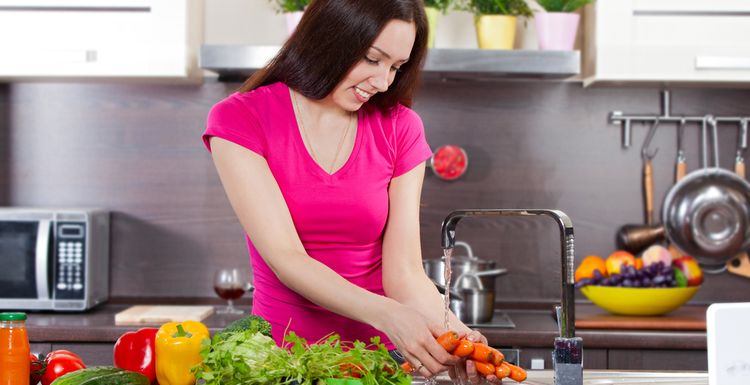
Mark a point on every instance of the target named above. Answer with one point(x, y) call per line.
point(235, 62)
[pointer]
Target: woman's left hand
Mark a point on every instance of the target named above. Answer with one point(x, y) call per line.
point(465, 371)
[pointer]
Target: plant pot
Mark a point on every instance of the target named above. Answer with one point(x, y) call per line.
point(292, 19)
point(432, 17)
point(495, 31)
point(556, 30)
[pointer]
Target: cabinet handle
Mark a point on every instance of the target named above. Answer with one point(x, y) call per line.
point(667, 12)
point(722, 63)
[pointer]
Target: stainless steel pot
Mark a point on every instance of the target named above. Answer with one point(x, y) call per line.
point(707, 214)
point(472, 284)
point(461, 267)
point(475, 306)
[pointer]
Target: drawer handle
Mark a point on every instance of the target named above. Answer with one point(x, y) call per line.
point(722, 63)
point(673, 13)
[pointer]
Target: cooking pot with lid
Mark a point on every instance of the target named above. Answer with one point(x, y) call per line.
point(462, 267)
point(472, 284)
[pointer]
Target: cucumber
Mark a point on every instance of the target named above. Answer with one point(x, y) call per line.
point(102, 375)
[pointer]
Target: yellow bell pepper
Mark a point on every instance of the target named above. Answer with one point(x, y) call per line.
point(178, 346)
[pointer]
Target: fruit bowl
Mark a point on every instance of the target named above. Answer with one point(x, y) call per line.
point(643, 301)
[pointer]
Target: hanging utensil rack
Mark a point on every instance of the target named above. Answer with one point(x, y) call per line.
point(625, 120)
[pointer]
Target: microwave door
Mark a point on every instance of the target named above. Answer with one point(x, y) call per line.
point(24, 251)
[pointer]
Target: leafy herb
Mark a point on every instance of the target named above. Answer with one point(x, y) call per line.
point(332, 358)
point(562, 5)
point(250, 358)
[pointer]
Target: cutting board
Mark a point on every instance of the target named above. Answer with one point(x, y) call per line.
point(684, 318)
point(159, 314)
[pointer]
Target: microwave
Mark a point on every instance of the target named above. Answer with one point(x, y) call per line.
point(53, 259)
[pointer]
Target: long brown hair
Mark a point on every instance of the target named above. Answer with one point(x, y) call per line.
point(332, 37)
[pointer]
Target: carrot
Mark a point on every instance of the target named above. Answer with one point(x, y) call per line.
point(483, 353)
point(464, 348)
point(502, 370)
point(516, 373)
point(448, 340)
point(498, 357)
point(406, 367)
point(485, 368)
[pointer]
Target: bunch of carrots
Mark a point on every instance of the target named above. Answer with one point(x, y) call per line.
point(488, 360)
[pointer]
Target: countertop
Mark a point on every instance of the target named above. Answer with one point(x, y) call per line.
point(533, 328)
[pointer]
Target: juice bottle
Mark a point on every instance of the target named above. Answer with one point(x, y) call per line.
point(14, 349)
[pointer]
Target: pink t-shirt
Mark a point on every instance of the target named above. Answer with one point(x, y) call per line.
point(340, 218)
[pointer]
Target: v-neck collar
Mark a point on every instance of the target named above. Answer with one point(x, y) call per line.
point(314, 166)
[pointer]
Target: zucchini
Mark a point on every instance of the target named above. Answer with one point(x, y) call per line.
point(102, 375)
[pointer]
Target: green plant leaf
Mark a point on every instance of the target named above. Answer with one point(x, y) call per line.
point(563, 5)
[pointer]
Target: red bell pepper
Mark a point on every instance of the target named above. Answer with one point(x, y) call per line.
point(135, 351)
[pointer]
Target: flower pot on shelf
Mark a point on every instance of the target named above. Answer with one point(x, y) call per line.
point(432, 16)
point(292, 19)
point(495, 31)
point(556, 30)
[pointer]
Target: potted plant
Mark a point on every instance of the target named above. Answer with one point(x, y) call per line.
point(495, 21)
point(432, 8)
point(557, 24)
point(293, 10)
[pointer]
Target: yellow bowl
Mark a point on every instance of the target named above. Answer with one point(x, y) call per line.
point(639, 301)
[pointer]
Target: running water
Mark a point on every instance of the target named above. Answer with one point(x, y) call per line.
point(447, 275)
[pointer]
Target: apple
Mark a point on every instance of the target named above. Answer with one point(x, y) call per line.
point(655, 254)
point(690, 268)
point(617, 259)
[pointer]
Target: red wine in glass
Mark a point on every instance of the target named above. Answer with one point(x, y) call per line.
point(230, 284)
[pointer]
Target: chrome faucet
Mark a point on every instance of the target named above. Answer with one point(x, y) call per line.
point(568, 350)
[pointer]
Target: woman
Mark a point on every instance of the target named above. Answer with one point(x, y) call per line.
point(323, 164)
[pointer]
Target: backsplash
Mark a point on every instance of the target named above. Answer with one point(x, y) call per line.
point(135, 149)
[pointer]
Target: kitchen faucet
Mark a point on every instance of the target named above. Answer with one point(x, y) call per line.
point(568, 349)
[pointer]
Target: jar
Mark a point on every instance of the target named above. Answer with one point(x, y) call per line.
point(14, 349)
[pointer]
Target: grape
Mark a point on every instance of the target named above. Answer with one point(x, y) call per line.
point(597, 275)
point(659, 279)
point(627, 282)
point(646, 281)
point(637, 284)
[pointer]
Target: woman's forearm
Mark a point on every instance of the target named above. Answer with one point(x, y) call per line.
point(324, 287)
point(421, 294)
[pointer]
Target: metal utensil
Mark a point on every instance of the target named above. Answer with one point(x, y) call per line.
point(648, 173)
point(740, 265)
point(707, 214)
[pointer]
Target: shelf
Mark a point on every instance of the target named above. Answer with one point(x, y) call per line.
point(238, 61)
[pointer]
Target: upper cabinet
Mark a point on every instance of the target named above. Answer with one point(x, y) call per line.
point(690, 41)
point(99, 39)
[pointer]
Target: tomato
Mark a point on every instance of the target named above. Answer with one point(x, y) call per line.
point(59, 363)
point(37, 368)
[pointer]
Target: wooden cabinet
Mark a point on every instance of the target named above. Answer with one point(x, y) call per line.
point(691, 41)
point(99, 39)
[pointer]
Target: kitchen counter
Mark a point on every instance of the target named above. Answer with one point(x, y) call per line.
point(533, 328)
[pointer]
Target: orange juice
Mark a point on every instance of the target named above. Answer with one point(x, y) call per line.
point(14, 349)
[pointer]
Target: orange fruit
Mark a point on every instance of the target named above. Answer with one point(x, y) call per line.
point(638, 263)
point(588, 265)
point(617, 259)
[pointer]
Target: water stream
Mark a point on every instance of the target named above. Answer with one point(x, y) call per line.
point(447, 275)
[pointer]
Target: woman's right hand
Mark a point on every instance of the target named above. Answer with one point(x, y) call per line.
point(414, 338)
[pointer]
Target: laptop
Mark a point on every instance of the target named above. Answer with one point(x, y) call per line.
point(728, 345)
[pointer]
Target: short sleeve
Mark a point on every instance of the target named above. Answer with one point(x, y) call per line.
point(231, 120)
point(411, 146)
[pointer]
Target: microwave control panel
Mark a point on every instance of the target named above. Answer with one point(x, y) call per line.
point(70, 256)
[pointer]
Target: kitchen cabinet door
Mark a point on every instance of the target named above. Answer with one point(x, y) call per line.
point(690, 41)
point(99, 38)
point(646, 359)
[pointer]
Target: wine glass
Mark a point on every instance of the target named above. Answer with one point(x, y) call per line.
point(230, 284)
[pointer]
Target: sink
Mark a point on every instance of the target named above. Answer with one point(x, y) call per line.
point(600, 377)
